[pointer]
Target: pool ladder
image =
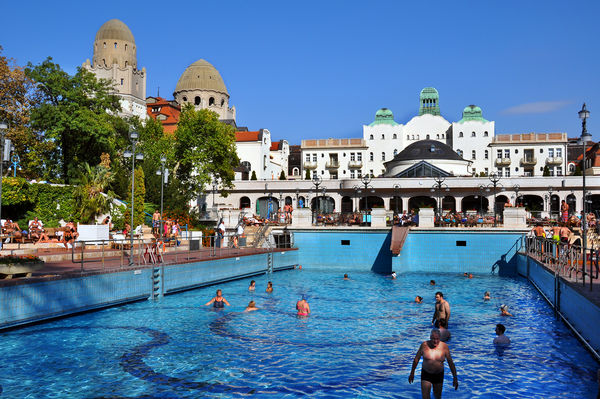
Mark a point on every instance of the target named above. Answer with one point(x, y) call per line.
point(270, 262)
point(157, 282)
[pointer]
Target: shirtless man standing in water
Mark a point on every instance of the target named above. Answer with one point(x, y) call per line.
point(442, 309)
point(434, 353)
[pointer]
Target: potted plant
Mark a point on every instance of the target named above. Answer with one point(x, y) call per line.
point(19, 266)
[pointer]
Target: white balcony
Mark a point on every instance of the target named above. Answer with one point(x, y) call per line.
point(528, 161)
point(502, 161)
point(332, 164)
point(310, 165)
point(554, 161)
point(355, 164)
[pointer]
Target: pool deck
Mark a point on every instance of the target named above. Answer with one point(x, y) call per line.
point(94, 264)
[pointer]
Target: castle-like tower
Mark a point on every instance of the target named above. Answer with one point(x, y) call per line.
point(201, 84)
point(115, 59)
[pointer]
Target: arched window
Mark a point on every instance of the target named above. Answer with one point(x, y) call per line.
point(437, 136)
point(395, 152)
point(486, 154)
point(472, 134)
point(394, 136)
point(247, 165)
point(184, 99)
point(413, 137)
point(115, 44)
point(427, 137)
point(383, 156)
point(222, 102)
point(125, 46)
point(383, 137)
point(370, 156)
point(371, 137)
point(443, 136)
point(295, 172)
point(104, 44)
point(460, 134)
point(211, 101)
point(417, 137)
point(485, 134)
point(197, 100)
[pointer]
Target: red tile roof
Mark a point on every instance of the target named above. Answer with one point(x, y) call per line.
point(247, 136)
point(166, 108)
point(276, 146)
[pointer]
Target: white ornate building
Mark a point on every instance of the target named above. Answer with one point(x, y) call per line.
point(115, 59)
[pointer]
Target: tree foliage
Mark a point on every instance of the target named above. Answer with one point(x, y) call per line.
point(307, 175)
point(282, 175)
point(546, 171)
point(253, 177)
point(73, 117)
point(205, 150)
point(139, 193)
point(91, 196)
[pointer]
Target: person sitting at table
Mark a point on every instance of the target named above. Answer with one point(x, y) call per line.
point(35, 228)
point(12, 229)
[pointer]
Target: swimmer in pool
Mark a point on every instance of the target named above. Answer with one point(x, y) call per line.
point(486, 296)
point(419, 299)
point(434, 353)
point(504, 310)
point(501, 339)
point(444, 332)
point(218, 301)
point(302, 307)
point(431, 282)
point(269, 287)
point(393, 275)
point(251, 306)
point(252, 286)
point(346, 277)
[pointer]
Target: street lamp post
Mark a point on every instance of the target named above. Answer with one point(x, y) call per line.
point(15, 160)
point(494, 178)
point(550, 191)
point(365, 180)
point(585, 137)
point(439, 186)
point(316, 181)
point(163, 173)
point(396, 190)
point(133, 136)
point(3, 129)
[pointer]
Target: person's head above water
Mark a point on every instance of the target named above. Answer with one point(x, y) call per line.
point(431, 282)
point(500, 329)
point(252, 304)
point(219, 292)
point(252, 282)
point(346, 275)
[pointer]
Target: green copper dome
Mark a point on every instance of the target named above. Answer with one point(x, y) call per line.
point(429, 101)
point(472, 113)
point(384, 116)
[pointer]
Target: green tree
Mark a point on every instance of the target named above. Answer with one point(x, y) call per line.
point(282, 176)
point(253, 177)
point(546, 171)
point(307, 175)
point(578, 171)
point(204, 150)
point(139, 193)
point(73, 116)
point(90, 195)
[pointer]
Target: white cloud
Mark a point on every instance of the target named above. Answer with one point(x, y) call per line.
point(540, 107)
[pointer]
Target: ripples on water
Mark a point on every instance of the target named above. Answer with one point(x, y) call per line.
point(359, 342)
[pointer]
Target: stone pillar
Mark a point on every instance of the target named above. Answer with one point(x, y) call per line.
point(426, 217)
point(302, 217)
point(405, 204)
point(515, 218)
point(378, 217)
point(458, 202)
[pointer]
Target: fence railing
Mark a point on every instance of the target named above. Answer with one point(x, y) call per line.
point(565, 260)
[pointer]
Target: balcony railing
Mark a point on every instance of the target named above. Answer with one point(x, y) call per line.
point(554, 161)
point(310, 165)
point(528, 161)
point(332, 164)
point(503, 161)
point(355, 164)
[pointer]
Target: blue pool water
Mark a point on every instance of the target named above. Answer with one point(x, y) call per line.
point(359, 342)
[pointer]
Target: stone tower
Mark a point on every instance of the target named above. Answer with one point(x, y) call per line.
point(201, 85)
point(430, 101)
point(115, 59)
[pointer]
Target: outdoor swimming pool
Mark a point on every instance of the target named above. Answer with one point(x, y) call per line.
point(359, 343)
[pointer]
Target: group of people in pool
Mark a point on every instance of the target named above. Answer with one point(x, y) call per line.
point(435, 351)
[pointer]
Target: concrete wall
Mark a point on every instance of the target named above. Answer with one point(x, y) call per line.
point(24, 303)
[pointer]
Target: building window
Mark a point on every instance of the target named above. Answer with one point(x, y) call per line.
point(506, 153)
point(460, 134)
point(506, 172)
point(115, 44)
point(427, 137)
point(211, 101)
point(395, 152)
point(383, 137)
point(437, 136)
point(125, 46)
point(352, 173)
point(314, 157)
point(383, 156)
point(412, 137)
point(371, 156)
point(197, 100)
point(486, 171)
point(473, 154)
point(551, 152)
point(407, 137)
point(559, 152)
point(122, 80)
point(472, 134)
point(394, 136)
point(359, 156)
point(516, 150)
point(222, 102)
point(541, 150)
point(184, 99)
point(352, 157)
point(104, 44)
point(474, 171)
point(559, 171)
point(358, 174)
point(371, 173)
point(295, 172)
point(443, 136)
point(485, 134)
point(417, 137)
point(371, 137)
point(307, 157)
point(486, 155)
point(459, 152)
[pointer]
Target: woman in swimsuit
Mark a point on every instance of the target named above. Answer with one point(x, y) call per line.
point(269, 287)
point(251, 306)
point(252, 286)
point(218, 301)
point(302, 307)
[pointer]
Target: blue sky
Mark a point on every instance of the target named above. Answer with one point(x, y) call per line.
point(315, 69)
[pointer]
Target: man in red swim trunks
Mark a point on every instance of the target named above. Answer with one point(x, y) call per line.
point(433, 352)
point(302, 307)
